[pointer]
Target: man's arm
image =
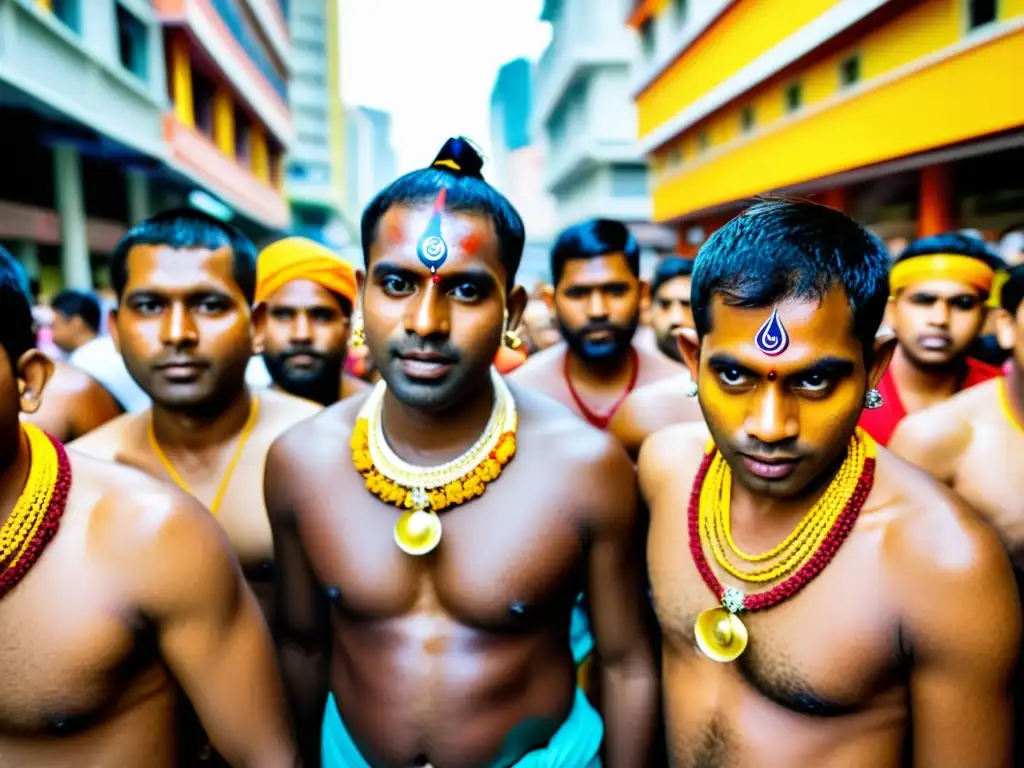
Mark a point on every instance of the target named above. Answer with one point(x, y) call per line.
point(616, 598)
point(302, 620)
point(934, 440)
point(213, 637)
point(961, 620)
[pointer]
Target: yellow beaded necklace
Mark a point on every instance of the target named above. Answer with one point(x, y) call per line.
point(802, 543)
point(424, 491)
point(21, 527)
point(1006, 406)
point(222, 490)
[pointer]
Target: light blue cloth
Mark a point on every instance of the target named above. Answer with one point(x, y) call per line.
point(580, 639)
point(577, 744)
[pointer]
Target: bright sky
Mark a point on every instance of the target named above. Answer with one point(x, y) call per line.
point(432, 64)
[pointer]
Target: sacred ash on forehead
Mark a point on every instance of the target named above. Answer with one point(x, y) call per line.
point(772, 338)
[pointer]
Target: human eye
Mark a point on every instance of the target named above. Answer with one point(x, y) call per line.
point(732, 376)
point(814, 382)
point(396, 285)
point(467, 292)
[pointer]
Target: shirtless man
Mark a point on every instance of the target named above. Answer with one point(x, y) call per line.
point(900, 651)
point(939, 288)
point(185, 284)
point(595, 266)
point(135, 594)
point(971, 441)
point(304, 298)
point(459, 655)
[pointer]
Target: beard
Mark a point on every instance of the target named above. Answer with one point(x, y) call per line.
point(320, 382)
point(609, 350)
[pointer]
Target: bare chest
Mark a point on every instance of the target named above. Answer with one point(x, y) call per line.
point(829, 650)
point(511, 556)
point(72, 648)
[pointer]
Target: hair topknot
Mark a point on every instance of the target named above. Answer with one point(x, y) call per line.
point(459, 156)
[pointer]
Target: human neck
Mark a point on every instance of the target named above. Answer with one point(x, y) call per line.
point(437, 436)
point(325, 391)
point(15, 462)
point(929, 384)
point(201, 428)
point(602, 373)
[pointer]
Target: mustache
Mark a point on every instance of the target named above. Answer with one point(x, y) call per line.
point(420, 345)
point(174, 360)
point(599, 326)
point(789, 448)
point(302, 352)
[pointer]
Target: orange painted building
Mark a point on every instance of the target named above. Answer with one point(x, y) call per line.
point(905, 113)
point(229, 121)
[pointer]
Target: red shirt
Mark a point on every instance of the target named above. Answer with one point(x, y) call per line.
point(881, 423)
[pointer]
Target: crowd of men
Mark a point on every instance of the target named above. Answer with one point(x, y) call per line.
point(408, 515)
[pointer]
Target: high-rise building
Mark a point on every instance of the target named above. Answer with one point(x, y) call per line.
point(317, 160)
point(112, 109)
point(516, 164)
point(371, 157)
point(583, 106)
point(904, 113)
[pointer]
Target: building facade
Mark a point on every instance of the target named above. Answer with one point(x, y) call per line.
point(900, 112)
point(372, 161)
point(316, 175)
point(113, 109)
point(516, 165)
point(584, 110)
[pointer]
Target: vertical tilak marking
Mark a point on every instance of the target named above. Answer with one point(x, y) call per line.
point(772, 338)
point(431, 247)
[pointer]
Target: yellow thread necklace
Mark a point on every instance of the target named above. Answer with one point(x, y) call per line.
point(243, 438)
point(1006, 406)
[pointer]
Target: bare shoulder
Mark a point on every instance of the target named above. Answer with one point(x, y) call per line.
point(157, 535)
point(550, 430)
point(934, 545)
point(106, 441)
point(671, 456)
point(937, 437)
point(655, 366)
point(283, 410)
point(537, 371)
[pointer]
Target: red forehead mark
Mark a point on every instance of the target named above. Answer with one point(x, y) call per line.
point(393, 232)
point(471, 243)
point(439, 200)
point(436, 279)
point(772, 375)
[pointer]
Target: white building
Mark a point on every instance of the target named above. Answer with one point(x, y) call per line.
point(583, 105)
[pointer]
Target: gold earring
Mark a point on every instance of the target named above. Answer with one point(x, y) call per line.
point(21, 387)
point(509, 337)
point(358, 334)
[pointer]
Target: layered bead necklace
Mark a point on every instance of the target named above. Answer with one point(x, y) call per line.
point(36, 516)
point(720, 633)
point(422, 492)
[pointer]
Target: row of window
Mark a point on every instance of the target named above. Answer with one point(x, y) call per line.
point(981, 13)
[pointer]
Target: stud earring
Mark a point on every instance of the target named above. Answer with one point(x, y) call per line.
point(510, 337)
point(873, 399)
point(21, 387)
point(358, 338)
point(691, 389)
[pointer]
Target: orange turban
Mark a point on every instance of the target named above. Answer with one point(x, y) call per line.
point(298, 258)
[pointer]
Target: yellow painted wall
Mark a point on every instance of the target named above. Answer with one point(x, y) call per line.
point(743, 33)
point(955, 100)
point(181, 80)
point(224, 121)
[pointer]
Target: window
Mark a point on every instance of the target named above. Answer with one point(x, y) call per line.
point(647, 38)
point(675, 156)
point(202, 102)
point(980, 13)
point(629, 182)
point(681, 11)
point(68, 12)
point(849, 71)
point(703, 141)
point(243, 137)
point(747, 119)
point(794, 97)
point(132, 43)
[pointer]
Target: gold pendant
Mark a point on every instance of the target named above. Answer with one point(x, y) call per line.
point(418, 531)
point(720, 634)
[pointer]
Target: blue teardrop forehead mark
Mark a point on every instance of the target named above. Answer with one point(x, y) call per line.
point(772, 338)
point(431, 247)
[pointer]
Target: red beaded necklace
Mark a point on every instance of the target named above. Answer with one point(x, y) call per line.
point(13, 571)
point(601, 420)
point(789, 587)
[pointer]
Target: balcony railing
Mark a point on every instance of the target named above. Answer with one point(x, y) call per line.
point(231, 15)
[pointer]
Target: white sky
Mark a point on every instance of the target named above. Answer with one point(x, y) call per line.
point(432, 64)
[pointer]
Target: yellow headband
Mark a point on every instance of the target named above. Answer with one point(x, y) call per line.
point(449, 164)
point(298, 258)
point(941, 266)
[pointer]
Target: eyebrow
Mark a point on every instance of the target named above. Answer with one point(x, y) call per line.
point(474, 274)
point(837, 367)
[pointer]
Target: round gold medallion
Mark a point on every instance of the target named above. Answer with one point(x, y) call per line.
point(721, 635)
point(417, 532)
